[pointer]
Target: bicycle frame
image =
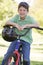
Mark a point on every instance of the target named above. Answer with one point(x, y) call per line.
point(17, 53)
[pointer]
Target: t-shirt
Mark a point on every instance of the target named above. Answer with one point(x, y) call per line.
point(28, 20)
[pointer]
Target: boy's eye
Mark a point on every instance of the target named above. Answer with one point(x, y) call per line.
point(22, 10)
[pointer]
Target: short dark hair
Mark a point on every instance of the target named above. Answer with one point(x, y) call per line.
point(24, 4)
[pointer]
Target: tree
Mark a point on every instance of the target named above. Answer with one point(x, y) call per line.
point(37, 12)
point(7, 8)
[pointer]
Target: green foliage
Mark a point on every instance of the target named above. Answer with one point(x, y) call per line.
point(37, 12)
point(1, 0)
point(7, 8)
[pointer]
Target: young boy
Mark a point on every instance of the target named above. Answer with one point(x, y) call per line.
point(21, 21)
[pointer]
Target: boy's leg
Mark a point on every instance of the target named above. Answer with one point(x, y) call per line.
point(9, 51)
point(26, 53)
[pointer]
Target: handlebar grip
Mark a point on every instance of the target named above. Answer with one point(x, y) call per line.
point(9, 26)
point(40, 28)
point(37, 28)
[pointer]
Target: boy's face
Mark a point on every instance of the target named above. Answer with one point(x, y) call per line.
point(22, 12)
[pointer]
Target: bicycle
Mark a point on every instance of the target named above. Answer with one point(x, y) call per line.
point(18, 56)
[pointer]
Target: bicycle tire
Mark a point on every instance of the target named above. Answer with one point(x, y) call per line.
point(9, 58)
point(9, 63)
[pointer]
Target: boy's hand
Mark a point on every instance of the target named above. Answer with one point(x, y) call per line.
point(22, 27)
point(25, 26)
point(19, 27)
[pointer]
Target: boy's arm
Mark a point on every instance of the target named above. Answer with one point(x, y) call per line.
point(30, 25)
point(13, 24)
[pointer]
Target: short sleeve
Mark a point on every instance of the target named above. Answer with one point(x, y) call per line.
point(13, 19)
point(33, 21)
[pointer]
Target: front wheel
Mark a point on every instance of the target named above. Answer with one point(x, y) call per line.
point(10, 60)
point(13, 60)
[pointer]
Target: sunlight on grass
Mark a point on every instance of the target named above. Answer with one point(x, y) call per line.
point(0, 60)
point(37, 38)
point(2, 45)
point(36, 63)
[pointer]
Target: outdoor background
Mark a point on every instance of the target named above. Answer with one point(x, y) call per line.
point(8, 9)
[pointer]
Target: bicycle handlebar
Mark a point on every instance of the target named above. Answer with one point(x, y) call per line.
point(25, 28)
point(39, 28)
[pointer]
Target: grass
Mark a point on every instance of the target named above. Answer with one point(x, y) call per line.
point(32, 62)
point(36, 63)
point(2, 45)
point(1, 60)
point(38, 48)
